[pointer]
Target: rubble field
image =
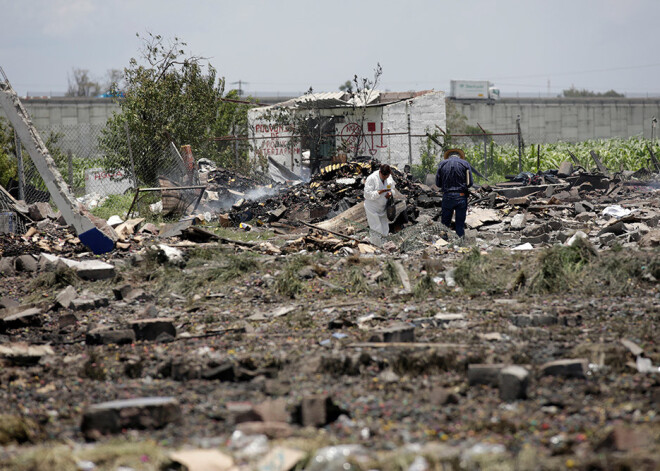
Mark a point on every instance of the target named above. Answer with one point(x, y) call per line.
point(532, 344)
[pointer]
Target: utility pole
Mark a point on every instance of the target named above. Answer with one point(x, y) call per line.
point(240, 86)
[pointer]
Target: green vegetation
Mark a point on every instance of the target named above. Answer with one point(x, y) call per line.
point(575, 93)
point(557, 269)
point(7, 160)
point(561, 266)
point(616, 154)
point(172, 97)
point(288, 283)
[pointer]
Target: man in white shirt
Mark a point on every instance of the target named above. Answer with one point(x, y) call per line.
point(377, 190)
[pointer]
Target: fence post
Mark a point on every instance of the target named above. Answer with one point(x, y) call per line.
point(69, 156)
point(19, 168)
point(486, 155)
point(520, 145)
point(130, 155)
point(409, 135)
point(233, 132)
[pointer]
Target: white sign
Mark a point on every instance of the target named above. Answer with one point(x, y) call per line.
point(104, 183)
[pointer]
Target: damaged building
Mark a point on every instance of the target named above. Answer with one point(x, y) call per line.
point(306, 133)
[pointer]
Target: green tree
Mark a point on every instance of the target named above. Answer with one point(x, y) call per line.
point(347, 87)
point(7, 152)
point(81, 84)
point(575, 93)
point(231, 120)
point(169, 98)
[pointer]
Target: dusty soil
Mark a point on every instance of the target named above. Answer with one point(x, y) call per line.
point(291, 326)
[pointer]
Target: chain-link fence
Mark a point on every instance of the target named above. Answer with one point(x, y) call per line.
point(94, 162)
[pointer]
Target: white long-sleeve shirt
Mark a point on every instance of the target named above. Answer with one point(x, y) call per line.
point(374, 202)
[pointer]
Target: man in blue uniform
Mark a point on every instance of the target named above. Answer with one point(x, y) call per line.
point(454, 177)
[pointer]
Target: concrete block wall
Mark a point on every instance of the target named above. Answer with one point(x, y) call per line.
point(78, 120)
point(563, 119)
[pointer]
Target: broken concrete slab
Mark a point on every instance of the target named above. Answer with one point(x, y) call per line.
point(484, 373)
point(65, 297)
point(569, 368)
point(478, 217)
point(32, 317)
point(23, 354)
point(94, 270)
point(518, 222)
point(109, 336)
point(151, 329)
point(141, 413)
point(40, 211)
point(513, 381)
point(317, 410)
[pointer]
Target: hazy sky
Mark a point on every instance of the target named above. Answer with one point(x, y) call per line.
point(526, 46)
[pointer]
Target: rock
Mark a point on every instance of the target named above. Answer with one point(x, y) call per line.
point(513, 381)
point(94, 270)
point(7, 266)
point(65, 297)
point(169, 255)
point(569, 368)
point(150, 329)
point(27, 263)
point(535, 240)
point(650, 239)
point(141, 413)
point(396, 333)
point(579, 208)
point(482, 373)
point(40, 211)
point(67, 319)
point(518, 222)
point(107, 336)
point(573, 239)
point(31, 317)
point(565, 169)
point(317, 411)
point(535, 230)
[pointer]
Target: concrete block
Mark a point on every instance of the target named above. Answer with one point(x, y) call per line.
point(151, 329)
point(94, 270)
point(142, 413)
point(569, 368)
point(107, 336)
point(318, 410)
point(31, 317)
point(40, 211)
point(513, 381)
point(396, 333)
point(484, 373)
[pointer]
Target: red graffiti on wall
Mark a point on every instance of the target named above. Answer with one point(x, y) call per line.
point(352, 135)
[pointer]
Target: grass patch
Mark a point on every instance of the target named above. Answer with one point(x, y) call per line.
point(356, 280)
point(288, 283)
point(114, 205)
point(115, 454)
point(390, 276)
point(491, 273)
point(424, 288)
point(560, 267)
point(17, 429)
point(58, 277)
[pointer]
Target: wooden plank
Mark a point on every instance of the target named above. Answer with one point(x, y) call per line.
point(575, 159)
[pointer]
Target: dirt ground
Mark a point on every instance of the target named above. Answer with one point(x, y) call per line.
point(393, 364)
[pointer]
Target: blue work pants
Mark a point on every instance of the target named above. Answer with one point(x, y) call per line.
point(454, 202)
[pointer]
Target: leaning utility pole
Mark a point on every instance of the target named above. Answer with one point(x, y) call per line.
point(87, 232)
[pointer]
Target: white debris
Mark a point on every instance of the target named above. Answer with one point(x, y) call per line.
point(616, 211)
point(575, 237)
point(525, 246)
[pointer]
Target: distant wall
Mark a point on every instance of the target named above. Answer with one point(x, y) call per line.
point(78, 120)
point(565, 119)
